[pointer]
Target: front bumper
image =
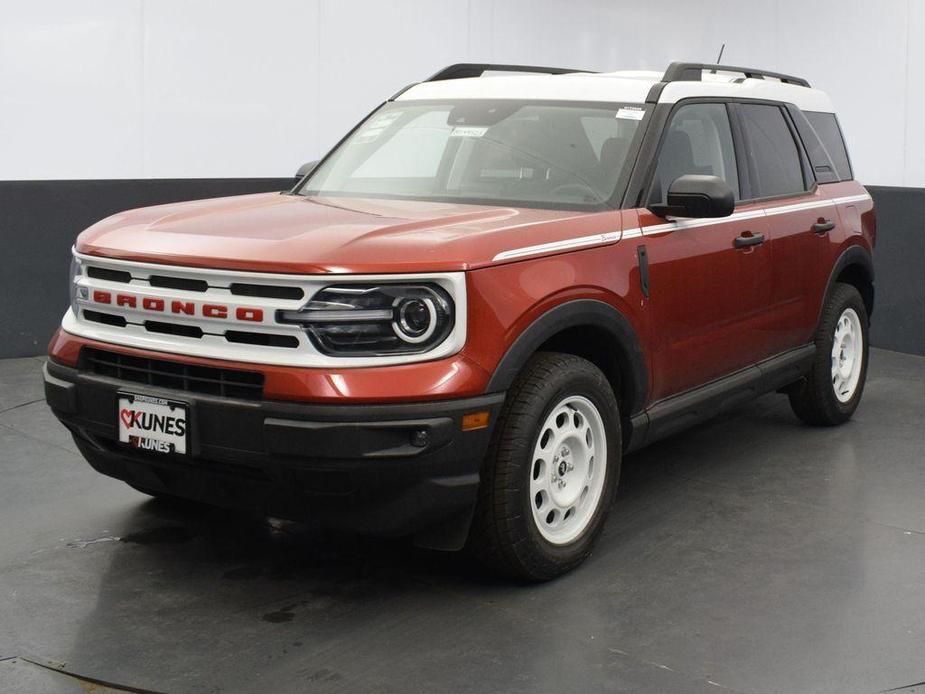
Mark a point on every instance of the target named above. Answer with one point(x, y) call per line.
point(356, 467)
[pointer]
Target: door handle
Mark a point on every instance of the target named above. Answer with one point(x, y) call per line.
point(748, 239)
point(823, 226)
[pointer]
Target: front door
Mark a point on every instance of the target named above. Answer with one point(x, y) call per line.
point(709, 279)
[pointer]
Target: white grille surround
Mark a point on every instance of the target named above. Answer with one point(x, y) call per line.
point(214, 309)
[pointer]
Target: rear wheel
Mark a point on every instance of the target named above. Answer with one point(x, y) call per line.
point(832, 390)
point(551, 471)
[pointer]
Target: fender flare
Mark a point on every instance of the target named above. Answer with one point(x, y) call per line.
point(580, 312)
point(854, 254)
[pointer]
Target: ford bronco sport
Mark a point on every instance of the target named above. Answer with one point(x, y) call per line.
point(455, 325)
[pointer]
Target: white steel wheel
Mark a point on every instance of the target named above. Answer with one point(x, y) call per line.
point(526, 524)
point(830, 391)
point(847, 355)
point(568, 470)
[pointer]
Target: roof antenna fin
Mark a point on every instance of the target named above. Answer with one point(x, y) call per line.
point(719, 58)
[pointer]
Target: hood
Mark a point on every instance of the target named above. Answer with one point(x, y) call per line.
point(270, 232)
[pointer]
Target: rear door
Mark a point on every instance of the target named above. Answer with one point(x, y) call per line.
point(781, 180)
point(707, 294)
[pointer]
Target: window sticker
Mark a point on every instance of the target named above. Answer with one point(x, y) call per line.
point(376, 126)
point(384, 120)
point(368, 135)
point(468, 131)
point(631, 113)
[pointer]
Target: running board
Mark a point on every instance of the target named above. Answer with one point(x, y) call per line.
point(678, 412)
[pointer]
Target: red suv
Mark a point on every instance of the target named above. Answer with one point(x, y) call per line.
point(456, 324)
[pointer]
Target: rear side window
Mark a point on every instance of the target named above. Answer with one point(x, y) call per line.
point(826, 127)
point(775, 166)
point(698, 141)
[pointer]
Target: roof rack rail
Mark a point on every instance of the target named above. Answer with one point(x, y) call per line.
point(461, 70)
point(692, 72)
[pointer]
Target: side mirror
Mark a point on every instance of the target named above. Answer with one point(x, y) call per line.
point(693, 195)
point(305, 169)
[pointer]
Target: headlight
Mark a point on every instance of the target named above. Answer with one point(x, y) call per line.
point(376, 320)
point(77, 272)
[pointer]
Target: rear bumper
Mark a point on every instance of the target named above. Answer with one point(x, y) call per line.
point(357, 467)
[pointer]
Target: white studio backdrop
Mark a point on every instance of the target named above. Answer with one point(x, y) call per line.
point(98, 89)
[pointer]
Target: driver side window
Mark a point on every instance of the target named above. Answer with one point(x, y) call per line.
point(698, 141)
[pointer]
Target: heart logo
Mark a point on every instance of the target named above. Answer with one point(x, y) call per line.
point(127, 416)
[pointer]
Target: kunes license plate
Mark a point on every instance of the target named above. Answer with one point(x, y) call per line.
point(152, 424)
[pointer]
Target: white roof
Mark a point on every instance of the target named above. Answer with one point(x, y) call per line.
point(619, 87)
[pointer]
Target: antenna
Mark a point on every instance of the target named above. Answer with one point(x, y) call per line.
point(718, 58)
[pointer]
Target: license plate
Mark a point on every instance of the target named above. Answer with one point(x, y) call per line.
point(152, 424)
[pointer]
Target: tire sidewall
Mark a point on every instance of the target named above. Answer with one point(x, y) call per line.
point(843, 298)
point(594, 387)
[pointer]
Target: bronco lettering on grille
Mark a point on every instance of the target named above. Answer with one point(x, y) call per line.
point(188, 308)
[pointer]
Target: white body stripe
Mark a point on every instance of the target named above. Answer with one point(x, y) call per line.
point(566, 245)
point(612, 236)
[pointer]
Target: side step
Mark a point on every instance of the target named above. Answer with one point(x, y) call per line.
point(678, 412)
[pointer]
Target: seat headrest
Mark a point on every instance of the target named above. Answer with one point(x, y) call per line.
point(678, 151)
point(613, 152)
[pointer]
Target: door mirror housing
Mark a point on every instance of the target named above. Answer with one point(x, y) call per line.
point(695, 195)
point(305, 169)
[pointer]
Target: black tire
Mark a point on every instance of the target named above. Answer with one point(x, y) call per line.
point(504, 535)
point(814, 400)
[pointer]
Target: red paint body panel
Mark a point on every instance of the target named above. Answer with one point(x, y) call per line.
point(708, 301)
point(270, 232)
point(506, 299)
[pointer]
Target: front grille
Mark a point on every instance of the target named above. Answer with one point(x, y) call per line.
point(201, 313)
point(208, 380)
point(221, 315)
point(264, 339)
point(178, 283)
point(104, 318)
point(267, 291)
point(102, 273)
point(153, 326)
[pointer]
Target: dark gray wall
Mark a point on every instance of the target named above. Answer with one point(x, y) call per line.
point(899, 263)
point(40, 219)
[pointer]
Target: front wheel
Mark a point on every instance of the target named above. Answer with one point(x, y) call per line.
point(551, 471)
point(832, 390)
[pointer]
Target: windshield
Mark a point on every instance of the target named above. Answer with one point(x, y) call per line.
point(558, 155)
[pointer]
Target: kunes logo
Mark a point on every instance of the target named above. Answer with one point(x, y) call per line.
point(153, 423)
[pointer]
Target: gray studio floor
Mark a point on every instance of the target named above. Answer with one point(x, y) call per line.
point(753, 554)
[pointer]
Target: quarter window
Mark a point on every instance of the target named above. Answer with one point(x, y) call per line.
point(773, 157)
point(698, 141)
point(826, 127)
